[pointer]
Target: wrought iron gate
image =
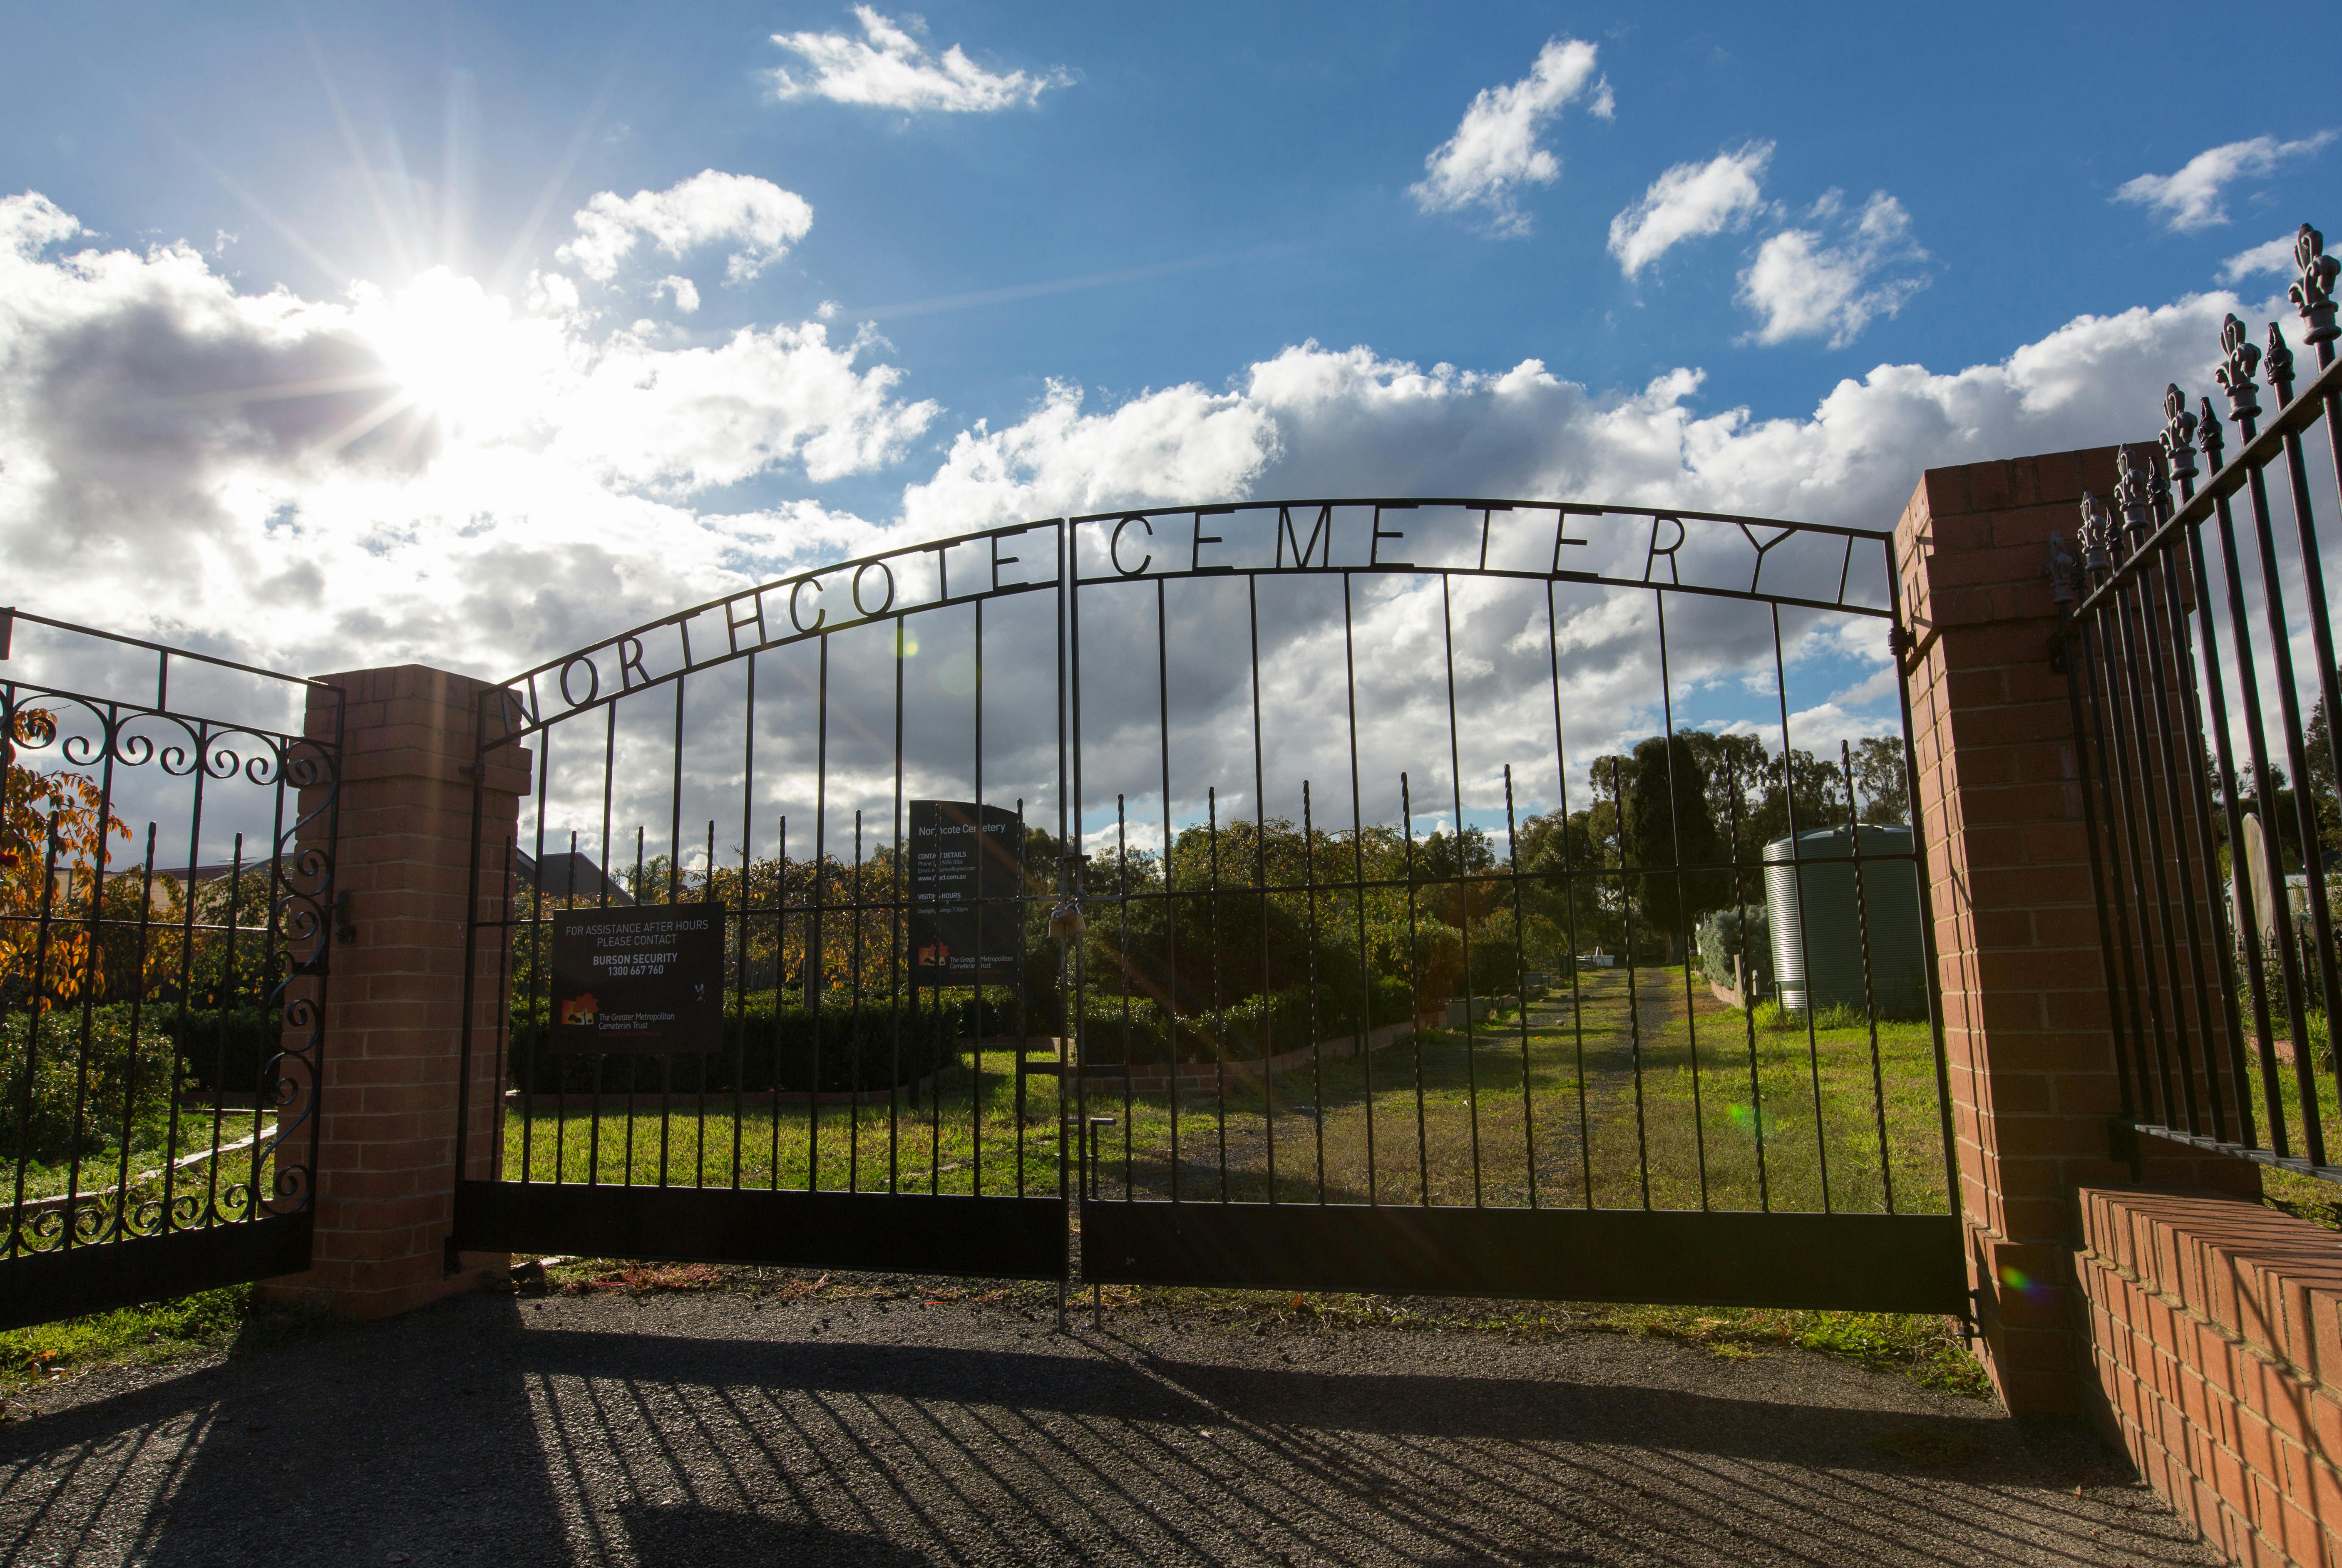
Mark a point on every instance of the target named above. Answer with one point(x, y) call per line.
point(1275, 962)
point(2206, 754)
point(166, 868)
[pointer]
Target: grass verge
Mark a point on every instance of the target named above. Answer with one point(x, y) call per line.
point(231, 1320)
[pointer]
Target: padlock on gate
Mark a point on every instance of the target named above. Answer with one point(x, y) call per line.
point(1065, 920)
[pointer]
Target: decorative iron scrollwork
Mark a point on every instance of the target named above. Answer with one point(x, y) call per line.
point(47, 726)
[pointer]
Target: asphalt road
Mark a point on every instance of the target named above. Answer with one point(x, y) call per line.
point(722, 1428)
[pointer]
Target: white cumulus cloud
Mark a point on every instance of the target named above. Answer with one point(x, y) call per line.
point(1805, 282)
point(1689, 202)
point(430, 471)
point(756, 217)
point(435, 473)
point(2277, 255)
point(1317, 421)
point(887, 68)
point(1314, 421)
point(1495, 149)
point(2189, 200)
point(685, 292)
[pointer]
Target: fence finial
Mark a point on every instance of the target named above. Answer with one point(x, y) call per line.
point(2312, 297)
point(2134, 493)
point(2178, 435)
point(2061, 573)
point(2278, 365)
point(2208, 431)
point(2240, 359)
point(2093, 537)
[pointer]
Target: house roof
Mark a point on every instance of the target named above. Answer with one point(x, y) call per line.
point(569, 874)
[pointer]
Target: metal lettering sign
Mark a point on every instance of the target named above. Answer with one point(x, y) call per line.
point(966, 925)
point(641, 979)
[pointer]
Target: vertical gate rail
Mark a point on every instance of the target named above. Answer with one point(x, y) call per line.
point(161, 987)
point(2206, 754)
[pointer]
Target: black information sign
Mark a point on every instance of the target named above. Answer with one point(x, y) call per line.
point(957, 871)
point(649, 978)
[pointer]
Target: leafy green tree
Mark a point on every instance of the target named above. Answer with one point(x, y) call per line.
point(1737, 767)
point(1880, 779)
point(2317, 740)
point(1668, 825)
point(1811, 796)
point(1570, 887)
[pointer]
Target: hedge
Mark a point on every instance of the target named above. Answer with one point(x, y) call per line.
point(1246, 1030)
point(769, 1044)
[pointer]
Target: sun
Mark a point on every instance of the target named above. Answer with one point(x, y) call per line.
point(456, 353)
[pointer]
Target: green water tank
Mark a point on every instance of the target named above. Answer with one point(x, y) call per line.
point(1819, 923)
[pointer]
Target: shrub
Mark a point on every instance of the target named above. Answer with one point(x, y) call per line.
point(1723, 934)
point(44, 1128)
point(1244, 1031)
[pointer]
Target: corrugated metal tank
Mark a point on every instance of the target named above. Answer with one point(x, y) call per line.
point(1826, 963)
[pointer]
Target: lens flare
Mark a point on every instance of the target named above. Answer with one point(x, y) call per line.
point(2023, 1284)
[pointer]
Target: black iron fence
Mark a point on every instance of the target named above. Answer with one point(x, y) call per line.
point(2199, 648)
point(166, 875)
point(1338, 857)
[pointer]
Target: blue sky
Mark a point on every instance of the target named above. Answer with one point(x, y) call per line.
point(1260, 157)
point(340, 334)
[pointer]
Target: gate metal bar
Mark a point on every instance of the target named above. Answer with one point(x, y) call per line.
point(2221, 956)
point(160, 1025)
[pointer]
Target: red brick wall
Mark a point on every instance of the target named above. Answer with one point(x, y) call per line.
point(2027, 1022)
point(393, 1038)
point(2215, 1330)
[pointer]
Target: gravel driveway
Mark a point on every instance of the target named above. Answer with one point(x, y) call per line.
point(724, 1427)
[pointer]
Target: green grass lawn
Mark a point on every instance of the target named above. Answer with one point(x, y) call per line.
point(1678, 1101)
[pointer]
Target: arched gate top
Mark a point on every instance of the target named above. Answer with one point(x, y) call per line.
point(1709, 554)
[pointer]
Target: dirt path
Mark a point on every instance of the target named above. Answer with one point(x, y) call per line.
point(727, 1428)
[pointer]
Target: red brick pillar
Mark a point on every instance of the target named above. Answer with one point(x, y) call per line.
point(2026, 1022)
point(393, 1038)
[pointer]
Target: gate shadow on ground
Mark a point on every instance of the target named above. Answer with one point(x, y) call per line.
point(1189, 1394)
point(461, 1436)
point(713, 1537)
